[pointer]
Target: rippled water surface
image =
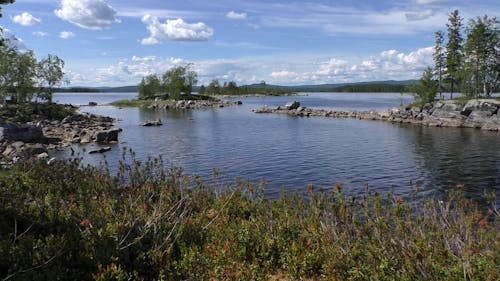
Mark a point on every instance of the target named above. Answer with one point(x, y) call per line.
point(291, 152)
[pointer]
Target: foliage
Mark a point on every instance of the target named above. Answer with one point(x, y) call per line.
point(174, 82)
point(33, 112)
point(454, 56)
point(49, 75)
point(481, 71)
point(22, 76)
point(439, 60)
point(150, 87)
point(425, 91)
point(67, 222)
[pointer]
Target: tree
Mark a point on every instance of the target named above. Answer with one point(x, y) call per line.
point(425, 91)
point(482, 62)
point(439, 60)
point(2, 2)
point(50, 74)
point(454, 50)
point(231, 88)
point(24, 77)
point(202, 90)
point(214, 88)
point(8, 59)
point(149, 87)
point(179, 79)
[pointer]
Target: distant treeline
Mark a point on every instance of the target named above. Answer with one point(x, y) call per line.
point(359, 88)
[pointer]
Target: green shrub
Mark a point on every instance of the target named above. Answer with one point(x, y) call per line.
point(64, 221)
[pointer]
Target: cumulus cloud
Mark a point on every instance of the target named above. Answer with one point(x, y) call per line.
point(26, 19)
point(88, 14)
point(174, 30)
point(40, 34)
point(295, 70)
point(416, 16)
point(236, 16)
point(66, 35)
point(429, 1)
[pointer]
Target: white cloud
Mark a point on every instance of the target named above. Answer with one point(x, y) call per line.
point(40, 34)
point(292, 70)
point(66, 35)
point(11, 39)
point(26, 19)
point(428, 1)
point(421, 15)
point(236, 16)
point(88, 14)
point(174, 30)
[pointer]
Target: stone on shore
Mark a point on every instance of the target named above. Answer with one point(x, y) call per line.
point(106, 136)
point(152, 123)
point(292, 105)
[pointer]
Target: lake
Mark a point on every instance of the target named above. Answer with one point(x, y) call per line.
point(291, 153)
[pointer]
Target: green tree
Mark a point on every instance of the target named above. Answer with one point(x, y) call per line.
point(150, 86)
point(439, 60)
point(214, 88)
point(231, 88)
point(24, 79)
point(3, 2)
point(8, 59)
point(482, 62)
point(179, 79)
point(425, 91)
point(454, 50)
point(50, 74)
point(202, 90)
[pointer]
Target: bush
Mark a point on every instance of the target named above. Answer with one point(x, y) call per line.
point(64, 221)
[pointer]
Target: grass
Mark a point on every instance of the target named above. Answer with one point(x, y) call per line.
point(159, 102)
point(64, 221)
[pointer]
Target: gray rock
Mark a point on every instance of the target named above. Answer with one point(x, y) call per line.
point(493, 123)
point(489, 105)
point(440, 113)
point(25, 133)
point(477, 119)
point(152, 123)
point(292, 105)
point(92, 103)
point(100, 150)
point(107, 135)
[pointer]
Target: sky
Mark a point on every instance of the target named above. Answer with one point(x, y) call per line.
point(117, 42)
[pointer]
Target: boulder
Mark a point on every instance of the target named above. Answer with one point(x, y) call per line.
point(292, 105)
point(440, 113)
point(100, 150)
point(477, 119)
point(489, 105)
point(26, 133)
point(492, 124)
point(92, 103)
point(107, 135)
point(152, 123)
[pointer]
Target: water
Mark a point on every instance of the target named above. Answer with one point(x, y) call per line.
point(291, 153)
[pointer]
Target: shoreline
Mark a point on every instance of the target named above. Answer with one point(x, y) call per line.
point(481, 114)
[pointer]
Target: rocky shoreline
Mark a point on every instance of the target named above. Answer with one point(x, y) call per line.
point(478, 113)
point(192, 104)
point(35, 140)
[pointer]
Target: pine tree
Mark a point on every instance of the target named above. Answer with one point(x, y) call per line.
point(439, 60)
point(454, 50)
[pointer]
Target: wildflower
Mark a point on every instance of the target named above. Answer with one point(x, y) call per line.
point(148, 186)
point(363, 203)
point(143, 207)
point(86, 223)
point(483, 224)
point(478, 216)
point(460, 186)
point(399, 200)
point(338, 186)
point(310, 188)
point(263, 181)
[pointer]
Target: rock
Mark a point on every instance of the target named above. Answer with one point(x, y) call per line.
point(107, 135)
point(26, 133)
point(492, 124)
point(489, 105)
point(239, 102)
point(440, 113)
point(92, 103)
point(477, 119)
point(100, 150)
point(34, 149)
point(292, 105)
point(451, 105)
point(43, 155)
point(152, 123)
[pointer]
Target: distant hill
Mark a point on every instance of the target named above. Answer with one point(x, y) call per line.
point(373, 86)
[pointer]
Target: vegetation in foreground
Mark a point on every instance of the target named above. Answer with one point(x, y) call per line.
point(64, 222)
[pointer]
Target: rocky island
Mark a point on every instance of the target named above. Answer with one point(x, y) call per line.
point(476, 113)
point(34, 138)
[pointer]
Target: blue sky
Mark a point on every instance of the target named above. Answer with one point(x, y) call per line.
point(117, 42)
